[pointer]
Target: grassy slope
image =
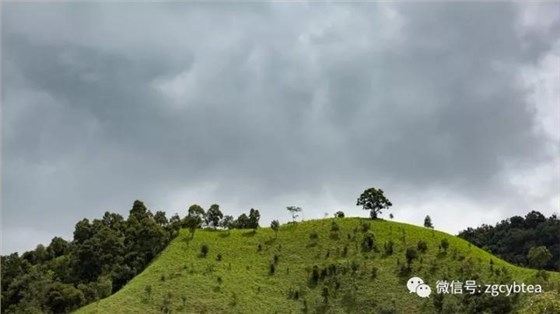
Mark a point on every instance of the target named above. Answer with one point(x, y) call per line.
point(247, 286)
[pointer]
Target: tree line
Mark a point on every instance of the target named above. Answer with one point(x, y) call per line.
point(102, 257)
point(533, 240)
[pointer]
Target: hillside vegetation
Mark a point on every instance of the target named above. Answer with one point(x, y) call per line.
point(319, 266)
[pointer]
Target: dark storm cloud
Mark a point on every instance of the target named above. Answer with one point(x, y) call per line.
point(263, 106)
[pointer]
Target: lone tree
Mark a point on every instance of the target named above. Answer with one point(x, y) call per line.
point(214, 215)
point(275, 225)
point(428, 222)
point(294, 210)
point(339, 214)
point(373, 200)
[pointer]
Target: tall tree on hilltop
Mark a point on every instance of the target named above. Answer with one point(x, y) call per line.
point(214, 215)
point(373, 200)
point(294, 210)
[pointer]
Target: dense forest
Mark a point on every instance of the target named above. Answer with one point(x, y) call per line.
point(102, 257)
point(532, 241)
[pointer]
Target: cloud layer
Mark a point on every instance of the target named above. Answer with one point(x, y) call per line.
point(450, 108)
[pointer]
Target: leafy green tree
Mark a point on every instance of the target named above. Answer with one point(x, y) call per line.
point(294, 210)
point(227, 222)
point(160, 218)
point(214, 215)
point(62, 298)
point(197, 211)
point(428, 222)
point(242, 222)
point(58, 247)
point(138, 210)
point(192, 223)
point(339, 214)
point(175, 222)
point(275, 225)
point(539, 256)
point(254, 217)
point(373, 200)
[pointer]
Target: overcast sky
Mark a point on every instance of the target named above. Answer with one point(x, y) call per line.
point(452, 109)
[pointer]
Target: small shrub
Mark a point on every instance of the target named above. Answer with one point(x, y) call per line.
point(219, 280)
point(314, 276)
point(313, 235)
point(166, 304)
point(334, 235)
point(148, 292)
point(334, 227)
point(272, 269)
point(373, 272)
point(422, 246)
point(404, 270)
point(444, 244)
point(204, 249)
point(345, 251)
point(219, 257)
point(368, 244)
point(162, 278)
point(389, 247)
point(365, 227)
point(411, 254)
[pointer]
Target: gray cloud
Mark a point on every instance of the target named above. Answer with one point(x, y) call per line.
point(268, 105)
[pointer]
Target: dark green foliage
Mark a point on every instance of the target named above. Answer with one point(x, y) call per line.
point(538, 256)
point(219, 257)
point(313, 235)
point(214, 215)
point(293, 294)
point(314, 276)
point(275, 226)
point(160, 218)
point(334, 227)
point(368, 244)
point(511, 239)
point(62, 298)
point(339, 214)
point(272, 269)
point(422, 246)
point(373, 200)
point(444, 244)
point(103, 256)
point(438, 302)
point(411, 254)
point(389, 247)
point(227, 222)
point(374, 272)
point(242, 222)
point(428, 222)
point(204, 249)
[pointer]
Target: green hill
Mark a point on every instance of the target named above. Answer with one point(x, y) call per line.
point(257, 272)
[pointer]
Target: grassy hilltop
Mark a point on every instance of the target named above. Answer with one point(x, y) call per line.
point(261, 272)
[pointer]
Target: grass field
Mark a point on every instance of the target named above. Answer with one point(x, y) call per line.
point(181, 280)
